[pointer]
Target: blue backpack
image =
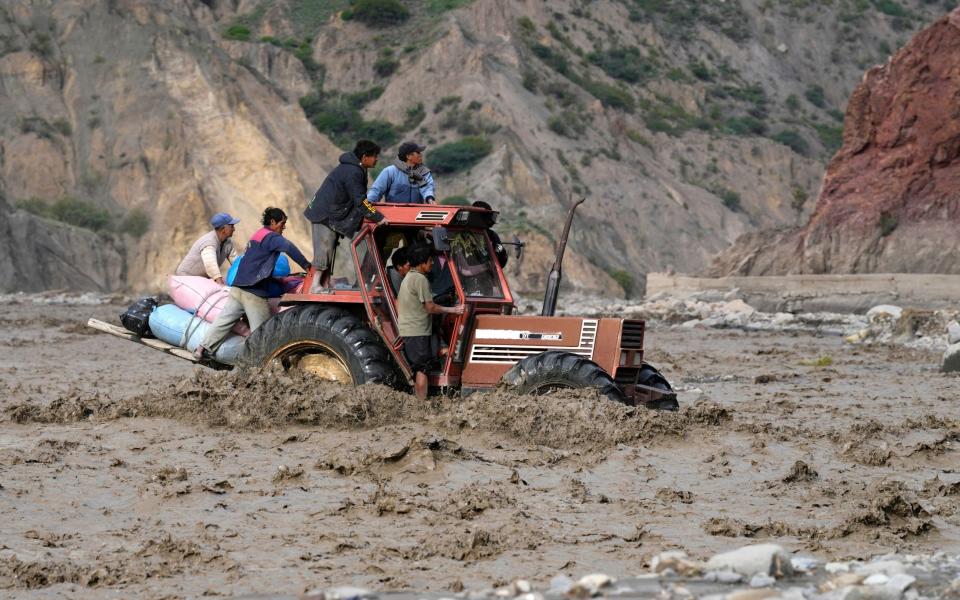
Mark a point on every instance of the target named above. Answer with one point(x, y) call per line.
point(280, 269)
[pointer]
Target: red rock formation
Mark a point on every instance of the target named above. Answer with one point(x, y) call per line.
point(890, 200)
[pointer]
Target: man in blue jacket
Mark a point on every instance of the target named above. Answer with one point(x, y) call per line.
point(254, 283)
point(338, 208)
point(407, 180)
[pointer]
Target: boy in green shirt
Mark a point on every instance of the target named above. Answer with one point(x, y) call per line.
point(414, 307)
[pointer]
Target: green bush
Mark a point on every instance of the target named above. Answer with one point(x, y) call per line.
point(567, 124)
point(380, 13)
point(460, 155)
point(624, 280)
point(70, 211)
point(815, 95)
point(887, 224)
point(241, 33)
point(745, 126)
point(441, 6)
point(63, 126)
point(730, 198)
point(830, 137)
point(338, 117)
point(455, 200)
point(891, 8)
point(627, 64)
point(136, 223)
point(609, 95)
point(700, 71)
point(415, 116)
point(793, 140)
point(385, 66)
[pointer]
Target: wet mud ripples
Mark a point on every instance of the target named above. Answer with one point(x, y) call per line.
point(126, 471)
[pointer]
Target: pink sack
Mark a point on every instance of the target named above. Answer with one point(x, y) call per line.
point(202, 296)
point(206, 298)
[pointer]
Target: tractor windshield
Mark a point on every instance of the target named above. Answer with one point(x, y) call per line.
point(474, 261)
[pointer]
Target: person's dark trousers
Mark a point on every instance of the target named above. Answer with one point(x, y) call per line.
point(325, 242)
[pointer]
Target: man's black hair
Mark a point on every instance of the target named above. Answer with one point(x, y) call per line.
point(273, 214)
point(400, 256)
point(419, 254)
point(482, 204)
point(366, 148)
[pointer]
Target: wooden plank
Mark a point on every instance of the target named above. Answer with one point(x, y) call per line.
point(149, 342)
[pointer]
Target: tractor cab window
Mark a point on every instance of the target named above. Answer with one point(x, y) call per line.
point(473, 259)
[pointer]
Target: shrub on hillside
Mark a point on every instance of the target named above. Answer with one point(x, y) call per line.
point(338, 117)
point(237, 32)
point(379, 13)
point(135, 224)
point(627, 64)
point(71, 211)
point(792, 139)
point(457, 156)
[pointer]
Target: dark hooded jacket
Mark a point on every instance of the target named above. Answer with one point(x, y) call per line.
point(255, 271)
point(341, 202)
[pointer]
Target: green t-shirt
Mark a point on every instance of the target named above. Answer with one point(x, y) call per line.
point(413, 316)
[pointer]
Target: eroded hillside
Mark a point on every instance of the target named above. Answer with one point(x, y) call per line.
point(685, 124)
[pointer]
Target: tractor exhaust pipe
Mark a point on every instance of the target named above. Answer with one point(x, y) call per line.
point(553, 280)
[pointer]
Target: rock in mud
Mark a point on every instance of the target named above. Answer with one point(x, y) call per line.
point(342, 593)
point(678, 562)
point(590, 585)
point(953, 332)
point(951, 359)
point(769, 559)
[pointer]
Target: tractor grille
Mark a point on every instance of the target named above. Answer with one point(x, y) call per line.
point(632, 335)
point(481, 353)
point(432, 215)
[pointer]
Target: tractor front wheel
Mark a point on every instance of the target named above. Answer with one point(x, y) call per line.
point(551, 370)
point(327, 342)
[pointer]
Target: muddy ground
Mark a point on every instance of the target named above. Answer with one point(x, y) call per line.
point(125, 472)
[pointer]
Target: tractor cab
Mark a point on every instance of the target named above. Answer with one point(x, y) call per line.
point(465, 271)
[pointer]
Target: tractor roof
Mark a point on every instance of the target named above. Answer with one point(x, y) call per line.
point(435, 214)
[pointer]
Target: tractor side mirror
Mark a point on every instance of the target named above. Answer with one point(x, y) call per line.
point(518, 247)
point(441, 239)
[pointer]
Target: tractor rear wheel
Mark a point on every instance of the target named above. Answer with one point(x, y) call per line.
point(324, 341)
point(554, 369)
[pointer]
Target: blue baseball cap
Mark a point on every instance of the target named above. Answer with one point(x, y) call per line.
point(221, 219)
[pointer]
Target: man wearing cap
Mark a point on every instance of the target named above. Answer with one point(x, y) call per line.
point(406, 180)
point(208, 253)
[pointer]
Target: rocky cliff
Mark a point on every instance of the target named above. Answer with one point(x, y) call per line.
point(890, 199)
point(39, 254)
point(685, 124)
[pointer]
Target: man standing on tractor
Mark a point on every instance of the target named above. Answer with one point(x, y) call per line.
point(338, 208)
point(254, 282)
point(407, 180)
point(414, 307)
point(208, 253)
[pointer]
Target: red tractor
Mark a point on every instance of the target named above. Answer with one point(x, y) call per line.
point(350, 335)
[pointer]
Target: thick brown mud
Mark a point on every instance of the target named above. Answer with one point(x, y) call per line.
point(123, 470)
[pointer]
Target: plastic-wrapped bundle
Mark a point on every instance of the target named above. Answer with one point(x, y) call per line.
point(202, 296)
point(178, 327)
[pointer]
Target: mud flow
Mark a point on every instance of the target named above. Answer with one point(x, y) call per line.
point(127, 472)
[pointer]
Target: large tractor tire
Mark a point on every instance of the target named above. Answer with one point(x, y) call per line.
point(554, 369)
point(327, 342)
point(661, 395)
